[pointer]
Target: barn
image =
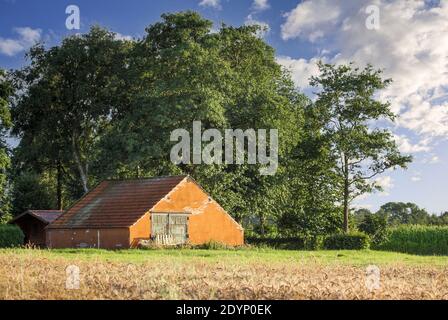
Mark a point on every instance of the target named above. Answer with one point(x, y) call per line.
point(121, 213)
point(33, 223)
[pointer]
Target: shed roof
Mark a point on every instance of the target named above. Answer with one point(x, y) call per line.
point(46, 216)
point(116, 203)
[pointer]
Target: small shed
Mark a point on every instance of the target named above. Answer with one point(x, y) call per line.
point(121, 213)
point(33, 223)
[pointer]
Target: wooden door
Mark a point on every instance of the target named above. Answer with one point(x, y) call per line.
point(172, 226)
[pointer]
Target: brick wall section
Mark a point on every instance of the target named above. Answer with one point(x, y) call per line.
point(113, 238)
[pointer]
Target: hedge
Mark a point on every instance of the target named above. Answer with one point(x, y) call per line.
point(10, 236)
point(349, 241)
point(287, 243)
point(417, 239)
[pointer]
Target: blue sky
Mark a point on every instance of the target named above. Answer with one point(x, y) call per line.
point(409, 40)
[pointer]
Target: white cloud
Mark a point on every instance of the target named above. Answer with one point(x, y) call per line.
point(251, 21)
point(301, 69)
point(211, 3)
point(26, 38)
point(411, 46)
point(28, 35)
point(416, 178)
point(119, 36)
point(434, 159)
point(431, 159)
point(357, 206)
point(386, 183)
point(260, 5)
point(406, 146)
point(419, 115)
point(10, 47)
point(310, 17)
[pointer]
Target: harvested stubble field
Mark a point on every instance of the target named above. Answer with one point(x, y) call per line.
point(220, 274)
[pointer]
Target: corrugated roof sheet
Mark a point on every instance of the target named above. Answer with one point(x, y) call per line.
point(116, 203)
point(47, 215)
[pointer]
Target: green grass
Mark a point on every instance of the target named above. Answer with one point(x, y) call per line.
point(327, 257)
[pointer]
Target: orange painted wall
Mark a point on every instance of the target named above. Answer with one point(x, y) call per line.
point(114, 238)
point(208, 221)
point(140, 230)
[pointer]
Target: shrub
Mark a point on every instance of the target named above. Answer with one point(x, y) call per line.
point(375, 226)
point(417, 239)
point(286, 243)
point(212, 245)
point(10, 236)
point(349, 241)
point(308, 242)
point(313, 242)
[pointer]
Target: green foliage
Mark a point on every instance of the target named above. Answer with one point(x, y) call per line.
point(66, 98)
point(6, 91)
point(228, 79)
point(32, 191)
point(441, 220)
point(415, 239)
point(309, 193)
point(398, 213)
point(347, 241)
point(212, 245)
point(10, 236)
point(5, 218)
point(375, 226)
point(344, 108)
point(314, 242)
point(284, 243)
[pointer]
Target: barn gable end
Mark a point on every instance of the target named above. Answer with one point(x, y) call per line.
point(208, 221)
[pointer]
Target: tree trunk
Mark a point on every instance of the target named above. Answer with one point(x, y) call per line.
point(346, 195)
point(82, 172)
point(346, 211)
point(59, 185)
point(262, 224)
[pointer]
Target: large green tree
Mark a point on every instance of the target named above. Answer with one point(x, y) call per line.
point(184, 72)
point(5, 124)
point(32, 191)
point(346, 107)
point(67, 96)
point(397, 213)
point(308, 205)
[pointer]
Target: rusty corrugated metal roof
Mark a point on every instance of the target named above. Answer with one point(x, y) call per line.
point(46, 216)
point(116, 203)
